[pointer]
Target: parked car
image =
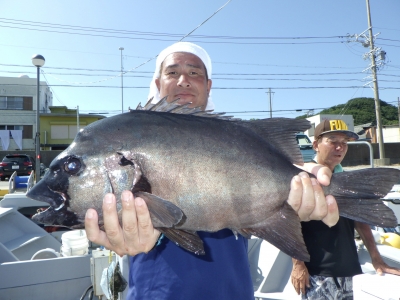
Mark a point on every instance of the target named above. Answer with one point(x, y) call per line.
point(306, 148)
point(22, 163)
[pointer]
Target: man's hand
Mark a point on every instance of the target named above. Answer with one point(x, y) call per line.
point(307, 198)
point(136, 235)
point(381, 267)
point(300, 277)
point(364, 230)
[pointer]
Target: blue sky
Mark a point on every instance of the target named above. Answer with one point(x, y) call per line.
point(298, 48)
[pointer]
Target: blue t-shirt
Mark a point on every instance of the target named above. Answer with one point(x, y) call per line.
point(170, 272)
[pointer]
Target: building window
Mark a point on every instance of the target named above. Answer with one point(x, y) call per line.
point(63, 131)
point(11, 102)
point(27, 132)
point(11, 127)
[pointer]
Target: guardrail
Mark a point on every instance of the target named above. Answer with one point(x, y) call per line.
point(371, 151)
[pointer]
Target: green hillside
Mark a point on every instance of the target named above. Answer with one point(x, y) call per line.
point(363, 111)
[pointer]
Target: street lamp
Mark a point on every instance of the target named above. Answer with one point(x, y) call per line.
point(38, 61)
point(122, 81)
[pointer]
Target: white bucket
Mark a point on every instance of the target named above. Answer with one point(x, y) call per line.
point(45, 254)
point(74, 243)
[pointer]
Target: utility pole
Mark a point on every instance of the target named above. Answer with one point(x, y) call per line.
point(77, 120)
point(398, 109)
point(122, 81)
point(377, 57)
point(270, 102)
point(376, 92)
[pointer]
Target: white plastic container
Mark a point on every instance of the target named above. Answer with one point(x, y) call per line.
point(74, 243)
point(46, 253)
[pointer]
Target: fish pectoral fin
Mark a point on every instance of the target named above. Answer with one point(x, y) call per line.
point(283, 230)
point(243, 233)
point(186, 239)
point(163, 213)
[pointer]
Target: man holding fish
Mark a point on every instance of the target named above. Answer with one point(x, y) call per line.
point(333, 254)
point(159, 269)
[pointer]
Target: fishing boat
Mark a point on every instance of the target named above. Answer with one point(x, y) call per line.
point(33, 265)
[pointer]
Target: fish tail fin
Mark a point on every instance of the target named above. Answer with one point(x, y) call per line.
point(369, 211)
point(283, 230)
point(358, 195)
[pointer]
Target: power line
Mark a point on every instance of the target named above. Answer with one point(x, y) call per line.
point(172, 40)
point(176, 35)
point(226, 63)
point(244, 79)
point(386, 28)
point(130, 70)
point(214, 88)
point(391, 40)
point(380, 44)
point(244, 74)
point(52, 90)
point(215, 74)
point(206, 20)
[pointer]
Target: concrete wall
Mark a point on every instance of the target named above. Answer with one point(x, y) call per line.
point(359, 154)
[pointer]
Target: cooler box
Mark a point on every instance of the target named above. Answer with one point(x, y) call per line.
point(374, 287)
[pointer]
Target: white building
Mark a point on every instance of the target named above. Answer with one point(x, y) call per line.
point(391, 134)
point(18, 110)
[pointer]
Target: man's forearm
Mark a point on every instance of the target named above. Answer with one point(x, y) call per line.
point(366, 235)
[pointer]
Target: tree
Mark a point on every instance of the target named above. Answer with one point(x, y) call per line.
point(363, 111)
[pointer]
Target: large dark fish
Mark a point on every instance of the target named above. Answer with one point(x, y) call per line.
point(197, 172)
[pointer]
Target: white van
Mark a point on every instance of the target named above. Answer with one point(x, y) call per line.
point(305, 145)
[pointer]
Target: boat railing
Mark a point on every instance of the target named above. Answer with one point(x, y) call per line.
point(20, 182)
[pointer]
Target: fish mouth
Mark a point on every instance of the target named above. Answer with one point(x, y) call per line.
point(58, 212)
point(63, 218)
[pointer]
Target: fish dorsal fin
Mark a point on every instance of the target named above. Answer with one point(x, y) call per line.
point(281, 134)
point(175, 108)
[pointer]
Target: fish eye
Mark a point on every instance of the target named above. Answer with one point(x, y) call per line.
point(72, 166)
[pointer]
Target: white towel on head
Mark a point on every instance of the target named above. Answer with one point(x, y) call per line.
point(180, 47)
